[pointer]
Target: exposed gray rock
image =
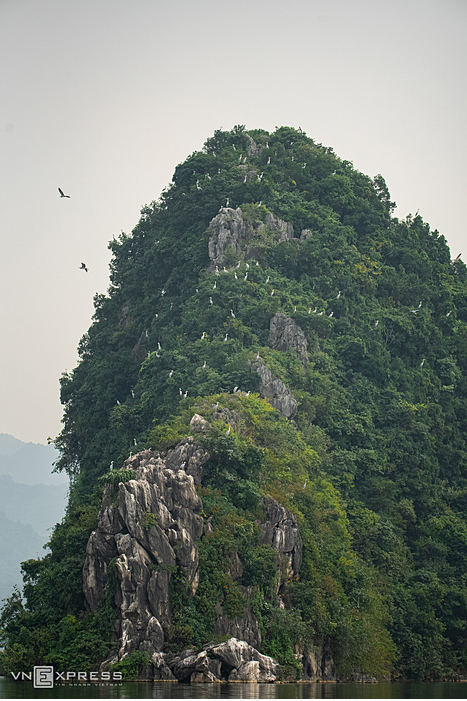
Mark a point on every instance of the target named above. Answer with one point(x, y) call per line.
point(285, 334)
point(275, 391)
point(235, 654)
point(306, 234)
point(236, 567)
point(252, 147)
point(281, 532)
point(183, 667)
point(189, 456)
point(228, 230)
point(151, 527)
point(231, 231)
point(247, 672)
point(198, 424)
point(229, 416)
point(244, 627)
point(139, 350)
point(99, 551)
point(283, 228)
point(161, 672)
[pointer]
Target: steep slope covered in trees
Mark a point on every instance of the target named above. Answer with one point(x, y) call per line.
point(374, 463)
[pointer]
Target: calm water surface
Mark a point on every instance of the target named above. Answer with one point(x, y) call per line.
point(132, 690)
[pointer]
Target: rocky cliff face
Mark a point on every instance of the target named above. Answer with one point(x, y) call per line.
point(275, 391)
point(285, 334)
point(231, 231)
point(149, 525)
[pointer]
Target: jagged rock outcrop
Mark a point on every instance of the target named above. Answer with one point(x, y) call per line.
point(285, 334)
point(252, 147)
point(282, 228)
point(150, 528)
point(228, 230)
point(275, 391)
point(233, 660)
point(231, 231)
point(281, 532)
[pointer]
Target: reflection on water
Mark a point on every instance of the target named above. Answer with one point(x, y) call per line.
point(159, 690)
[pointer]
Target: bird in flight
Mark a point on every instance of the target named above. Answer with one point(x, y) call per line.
point(62, 194)
point(83, 267)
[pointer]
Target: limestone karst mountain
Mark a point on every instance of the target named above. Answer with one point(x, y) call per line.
point(270, 315)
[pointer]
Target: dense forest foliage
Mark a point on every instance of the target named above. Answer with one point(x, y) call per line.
point(375, 464)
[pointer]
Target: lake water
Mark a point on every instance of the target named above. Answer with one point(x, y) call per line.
point(159, 690)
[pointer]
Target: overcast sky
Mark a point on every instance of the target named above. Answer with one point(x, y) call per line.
point(105, 97)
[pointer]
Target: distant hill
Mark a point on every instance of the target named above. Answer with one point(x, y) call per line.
point(32, 501)
point(39, 505)
point(28, 463)
point(18, 542)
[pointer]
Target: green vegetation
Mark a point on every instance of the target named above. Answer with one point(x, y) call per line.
point(148, 521)
point(130, 665)
point(375, 467)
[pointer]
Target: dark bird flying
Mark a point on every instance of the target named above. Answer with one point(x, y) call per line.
point(62, 194)
point(83, 267)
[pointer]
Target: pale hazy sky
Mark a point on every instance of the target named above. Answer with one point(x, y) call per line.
point(105, 97)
